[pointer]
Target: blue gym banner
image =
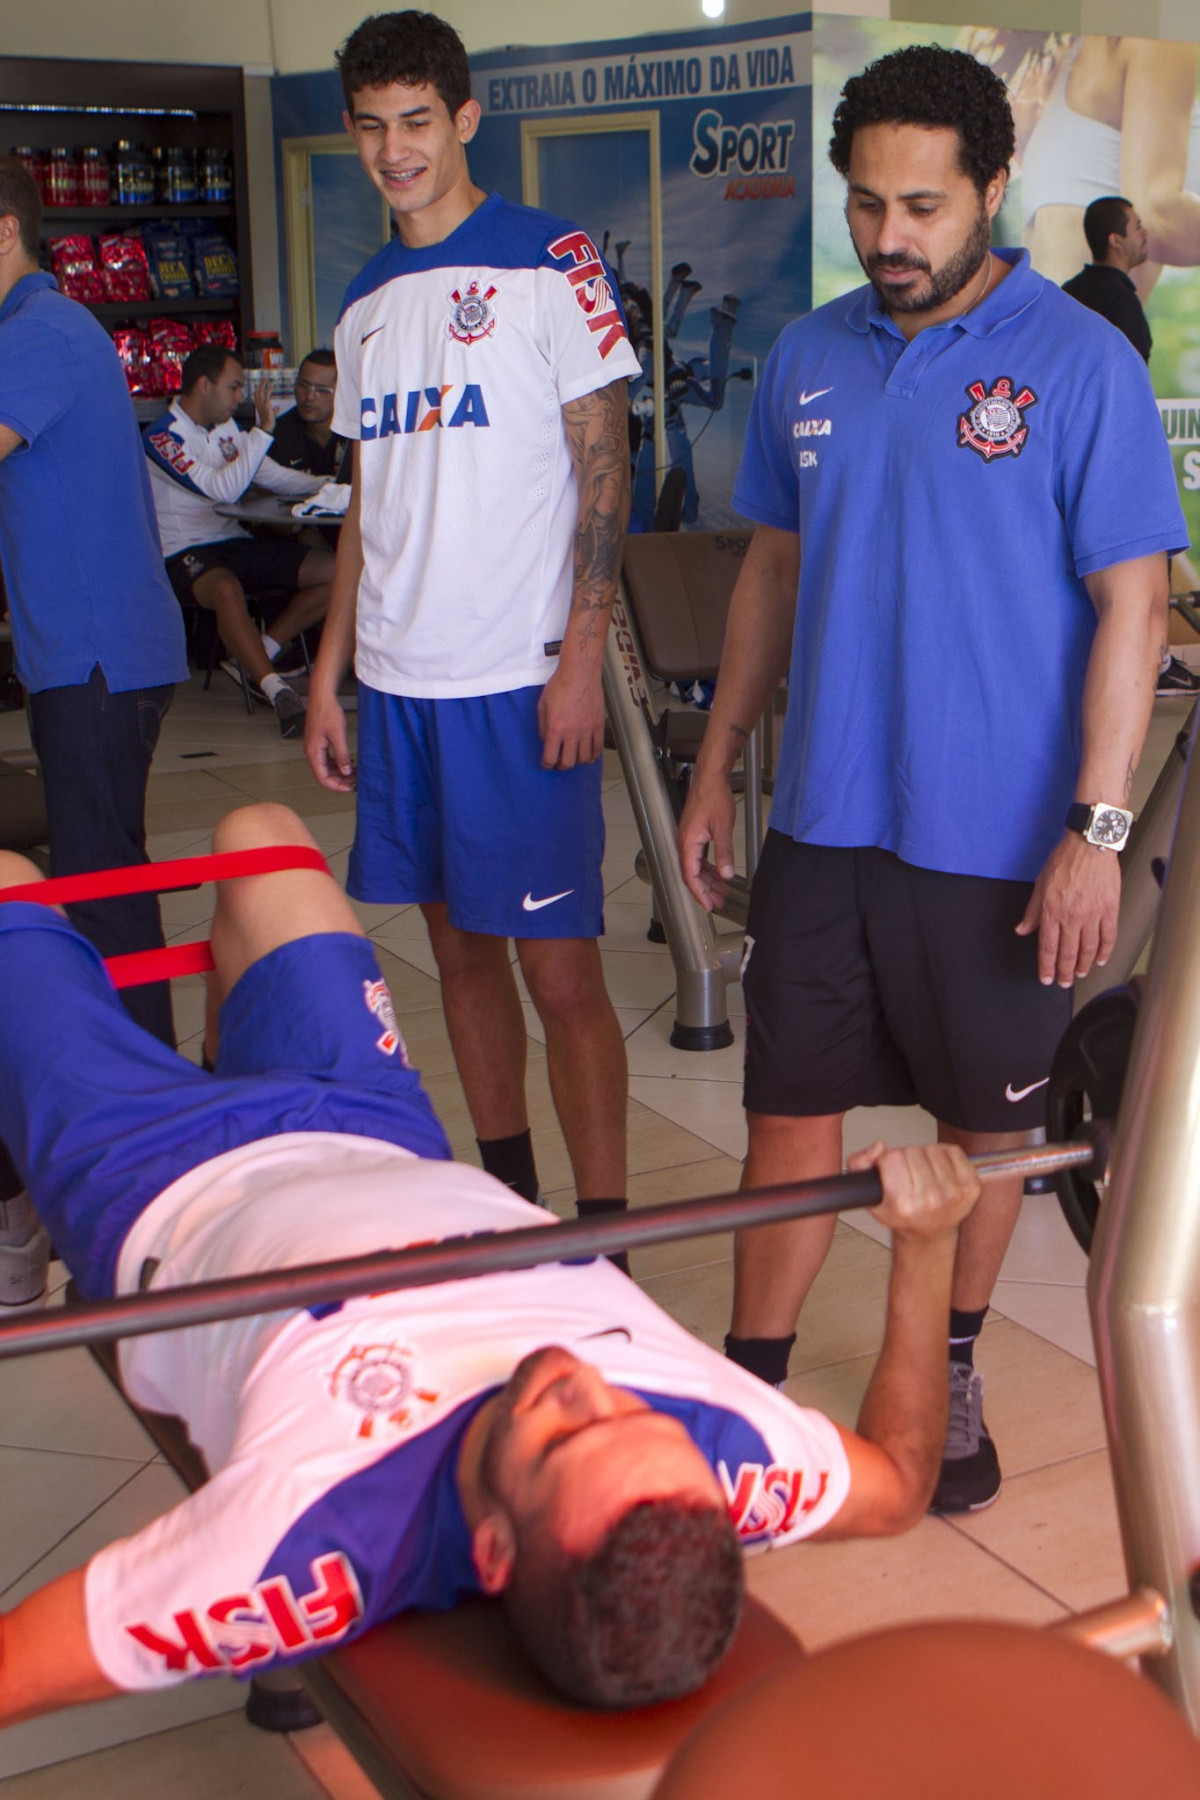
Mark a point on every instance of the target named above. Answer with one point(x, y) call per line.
point(734, 124)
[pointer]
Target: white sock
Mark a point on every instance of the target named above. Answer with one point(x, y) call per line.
point(271, 647)
point(1165, 664)
point(271, 685)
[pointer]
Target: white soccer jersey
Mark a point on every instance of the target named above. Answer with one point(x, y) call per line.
point(192, 467)
point(454, 364)
point(334, 1439)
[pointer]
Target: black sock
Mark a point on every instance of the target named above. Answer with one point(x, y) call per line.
point(588, 1209)
point(765, 1357)
point(510, 1160)
point(965, 1327)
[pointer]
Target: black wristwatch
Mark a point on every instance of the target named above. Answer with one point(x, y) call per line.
point(1105, 826)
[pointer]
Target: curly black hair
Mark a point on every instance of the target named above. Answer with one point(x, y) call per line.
point(927, 85)
point(412, 48)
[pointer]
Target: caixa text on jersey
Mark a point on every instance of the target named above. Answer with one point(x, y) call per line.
point(422, 409)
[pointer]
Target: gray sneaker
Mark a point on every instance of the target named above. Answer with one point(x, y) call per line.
point(289, 710)
point(970, 1477)
point(24, 1254)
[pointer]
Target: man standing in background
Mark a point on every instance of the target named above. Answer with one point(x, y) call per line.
point(98, 637)
point(1119, 243)
point(482, 369)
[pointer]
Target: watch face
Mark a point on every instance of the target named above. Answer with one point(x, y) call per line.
point(1109, 826)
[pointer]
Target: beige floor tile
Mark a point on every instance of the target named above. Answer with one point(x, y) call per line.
point(187, 1005)
point(144, 1494)
point(1059, 1314)
point(699, 1298)
point(1042, 1248)
point(412, 991)
point(652, 1053)
point(625, 926)
point(1042, 1404)
point(46, 1494)
point(1058, 1527)
point(711, 1110)
point(827, 1592)
point(222, 1756)
point(61, 1401)
point(327, 1759)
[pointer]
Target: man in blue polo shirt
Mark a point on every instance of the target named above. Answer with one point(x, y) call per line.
point(97, 631)
point(965, 505)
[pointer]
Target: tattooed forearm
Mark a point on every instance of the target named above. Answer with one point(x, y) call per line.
point(598, 434)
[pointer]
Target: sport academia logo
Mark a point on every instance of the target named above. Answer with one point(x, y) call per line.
point(995, 425)
point(472, 315)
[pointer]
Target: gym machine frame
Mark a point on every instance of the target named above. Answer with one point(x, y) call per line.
point(703, 969)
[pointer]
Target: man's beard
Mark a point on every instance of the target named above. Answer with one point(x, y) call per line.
point(944, 283)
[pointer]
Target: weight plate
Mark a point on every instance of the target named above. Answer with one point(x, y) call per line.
point(1087, 1077)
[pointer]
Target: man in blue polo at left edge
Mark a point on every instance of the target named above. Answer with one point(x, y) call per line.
point(96, 629)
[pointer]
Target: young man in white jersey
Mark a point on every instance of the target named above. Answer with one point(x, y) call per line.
point(548, 1435)
point(483, 363)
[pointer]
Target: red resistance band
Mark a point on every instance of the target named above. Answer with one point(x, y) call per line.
point(158, 878)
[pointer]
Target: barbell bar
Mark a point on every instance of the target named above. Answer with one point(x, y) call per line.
point(493, 1253)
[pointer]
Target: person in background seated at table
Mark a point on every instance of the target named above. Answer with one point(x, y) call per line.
point(198, 457)
point(304, 437)
point(548, 1435)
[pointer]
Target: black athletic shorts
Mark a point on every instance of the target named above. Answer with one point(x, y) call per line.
point(259, 564)
point(869, 982)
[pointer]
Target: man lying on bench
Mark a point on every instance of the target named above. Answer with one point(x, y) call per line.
point(549, 1435)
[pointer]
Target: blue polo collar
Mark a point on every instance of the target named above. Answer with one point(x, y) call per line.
point(28, 284)
point(1005, 303)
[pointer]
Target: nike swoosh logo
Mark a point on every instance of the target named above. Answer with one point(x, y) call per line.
point(532, 905)
point(370, 334)
point(815, 395)
point(1012, 1093)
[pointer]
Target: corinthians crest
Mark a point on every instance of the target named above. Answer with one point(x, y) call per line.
point(472, 315)
point(379, 1381)
point(995, 425)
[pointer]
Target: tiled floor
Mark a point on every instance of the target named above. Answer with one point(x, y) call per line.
point(77, 1471)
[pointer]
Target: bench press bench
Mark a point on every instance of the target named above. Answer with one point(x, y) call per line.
point(446, 1706)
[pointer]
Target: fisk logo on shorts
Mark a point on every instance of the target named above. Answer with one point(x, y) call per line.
point(588, 276)
point(765, 1501)
point(378, 1001)
point(265, 1621)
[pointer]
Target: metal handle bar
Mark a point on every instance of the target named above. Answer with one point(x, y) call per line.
point(483, 1253)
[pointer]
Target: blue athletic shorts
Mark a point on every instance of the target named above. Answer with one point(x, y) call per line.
point(454, 805)
point(100, 1117)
